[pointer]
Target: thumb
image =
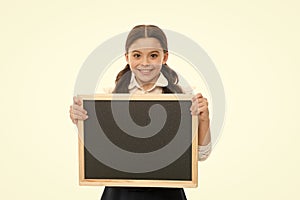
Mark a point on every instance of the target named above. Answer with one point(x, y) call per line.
point(77, 100)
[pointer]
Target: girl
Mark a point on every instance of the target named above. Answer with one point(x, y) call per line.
point(147, 72)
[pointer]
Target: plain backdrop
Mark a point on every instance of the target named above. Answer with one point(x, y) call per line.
point(254, 45)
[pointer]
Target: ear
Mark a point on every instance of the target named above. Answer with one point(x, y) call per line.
point(166, 55)
point(126, 57)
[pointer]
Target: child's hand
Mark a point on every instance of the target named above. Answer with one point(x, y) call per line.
point(76, 112)
point(200, 107)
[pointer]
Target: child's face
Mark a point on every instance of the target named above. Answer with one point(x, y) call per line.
point(145, 58)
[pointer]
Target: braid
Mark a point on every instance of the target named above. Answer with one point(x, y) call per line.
point(122, 80)
point(172, 78)
point(122, 72)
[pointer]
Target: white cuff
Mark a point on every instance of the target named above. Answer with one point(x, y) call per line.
point(204, 151)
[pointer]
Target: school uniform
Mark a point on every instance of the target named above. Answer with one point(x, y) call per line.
point(150, 193)
point(144, 193)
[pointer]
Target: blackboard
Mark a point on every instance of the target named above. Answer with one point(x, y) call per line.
point(138, 140)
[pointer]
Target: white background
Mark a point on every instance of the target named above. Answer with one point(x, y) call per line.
point(254, 44)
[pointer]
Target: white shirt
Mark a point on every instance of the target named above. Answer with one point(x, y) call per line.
point(135, 88)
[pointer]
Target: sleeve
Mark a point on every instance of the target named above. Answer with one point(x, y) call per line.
point(204, 151)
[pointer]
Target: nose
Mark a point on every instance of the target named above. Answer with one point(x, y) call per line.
point(145, 61)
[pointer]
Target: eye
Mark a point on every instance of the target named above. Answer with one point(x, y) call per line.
point(136, 55)
point(154, 55)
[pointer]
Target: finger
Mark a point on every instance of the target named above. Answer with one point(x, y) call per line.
point(194, 105)
point(194, 110)
point(201, 104)
point(72, 118)
point(77, 100)
point(203, 109)
point(198, 103)
point(197, 96)
point(75, 121)
point(79, 115)
point(202, 101)
point(199, 109)
point(79, 108)
point(199, 100)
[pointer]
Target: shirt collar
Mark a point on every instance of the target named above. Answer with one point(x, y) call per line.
point(161, 82)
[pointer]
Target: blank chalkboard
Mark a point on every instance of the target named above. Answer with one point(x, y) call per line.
point(138, 140)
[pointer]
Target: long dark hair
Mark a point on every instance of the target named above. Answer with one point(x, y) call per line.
point(124, 76)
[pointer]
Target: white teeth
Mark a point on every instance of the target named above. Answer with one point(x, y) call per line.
point(145, 70)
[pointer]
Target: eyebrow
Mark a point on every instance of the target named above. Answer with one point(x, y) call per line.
point(141, 52)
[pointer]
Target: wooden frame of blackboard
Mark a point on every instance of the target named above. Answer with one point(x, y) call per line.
point(192, 183)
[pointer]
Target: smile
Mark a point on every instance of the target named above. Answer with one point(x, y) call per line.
point(145, 70)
